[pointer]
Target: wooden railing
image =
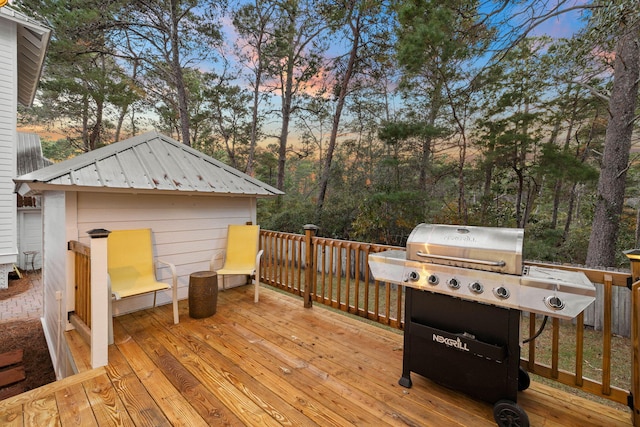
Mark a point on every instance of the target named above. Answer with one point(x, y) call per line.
point(340, 279)
point(82, 281)
point(338, 276)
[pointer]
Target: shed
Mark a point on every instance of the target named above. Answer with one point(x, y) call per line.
point(149, 181)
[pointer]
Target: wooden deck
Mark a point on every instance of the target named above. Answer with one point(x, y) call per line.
point(268, 364)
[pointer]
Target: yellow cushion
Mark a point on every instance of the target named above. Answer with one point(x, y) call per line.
point(130, 263)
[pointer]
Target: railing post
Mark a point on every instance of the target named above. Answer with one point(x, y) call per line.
point(310, 231)
point(100, 298)
point(634, 402)
point(635, 342)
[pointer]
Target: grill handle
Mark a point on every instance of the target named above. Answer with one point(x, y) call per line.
point(457, 259)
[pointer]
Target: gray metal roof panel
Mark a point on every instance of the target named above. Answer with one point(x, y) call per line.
point(29, 153)
point(150, 162)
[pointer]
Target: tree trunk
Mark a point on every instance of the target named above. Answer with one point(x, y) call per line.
point(342, 96)
point(256, 89)
point(183, 108)
point(611, 185)
point(284, 132)
point(570, 208)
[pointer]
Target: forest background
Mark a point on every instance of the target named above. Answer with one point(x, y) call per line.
point(372, 115)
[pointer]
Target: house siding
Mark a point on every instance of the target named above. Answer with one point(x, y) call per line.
point(186, 231)
point(8, 107)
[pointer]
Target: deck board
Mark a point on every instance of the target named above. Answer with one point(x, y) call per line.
point(267, 364)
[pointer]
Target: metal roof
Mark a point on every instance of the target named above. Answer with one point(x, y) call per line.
point(151, 162)
point(32, 38)
point(29, 153)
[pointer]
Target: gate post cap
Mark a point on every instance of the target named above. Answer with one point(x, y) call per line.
point(97, 233)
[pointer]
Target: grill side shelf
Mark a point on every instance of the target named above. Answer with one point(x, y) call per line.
point(460, 342)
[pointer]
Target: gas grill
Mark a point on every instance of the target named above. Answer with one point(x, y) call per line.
point(465, 290)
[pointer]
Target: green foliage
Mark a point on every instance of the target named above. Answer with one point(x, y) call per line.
point(289, 217)
point(542, 242)
point(388, 218)
point(558, 163)
point(57, 151)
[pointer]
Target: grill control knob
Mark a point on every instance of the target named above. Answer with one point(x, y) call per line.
point(414, 276)
point(501, 292)
point(433, 279)
point(453, 283)
point(476, 287)
point(554, 303)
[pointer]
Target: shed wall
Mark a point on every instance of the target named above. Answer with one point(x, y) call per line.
point(54, 279)
point(187, 230)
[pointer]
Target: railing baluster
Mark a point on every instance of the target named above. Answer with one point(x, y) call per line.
point(339, 276)
point(347, 276)
point(532, 343)
point(606, 335)
point(555, 347)
point(579, 349)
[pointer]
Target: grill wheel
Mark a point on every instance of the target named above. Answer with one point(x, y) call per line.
point(524, 381)
point(509, 414)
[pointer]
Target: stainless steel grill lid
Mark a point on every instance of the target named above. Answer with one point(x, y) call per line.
point(480, 248)
point(483, 264)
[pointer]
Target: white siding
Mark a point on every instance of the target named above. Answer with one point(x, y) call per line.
point(8, 107)
point(54, 279)
point(187, 230)
point(29, 237)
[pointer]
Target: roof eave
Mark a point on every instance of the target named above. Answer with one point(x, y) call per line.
point(31, 188)
point(32, 83)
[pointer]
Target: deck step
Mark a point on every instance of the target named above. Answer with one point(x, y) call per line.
point(11, 358)
point(11, 369)
point(12, 375)
point(14, 390)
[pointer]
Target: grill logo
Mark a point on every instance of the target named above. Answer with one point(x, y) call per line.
point(450, 342)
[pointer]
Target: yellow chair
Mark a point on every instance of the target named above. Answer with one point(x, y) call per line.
point(131, 267)
point(241, 256)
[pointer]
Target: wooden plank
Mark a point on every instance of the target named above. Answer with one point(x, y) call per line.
point(12, 417)
point(563, 410)
point(49, 389)
point(42, 412)
point(11, 357)
point(74, 407)
point(12, 375)
point(107, 407)
point(221, 352)
point(280, 409)
point(377, 395)
point(80, 351)
point(142, 409)
point(340, 380)
point(241, 405)
point(177, 408)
